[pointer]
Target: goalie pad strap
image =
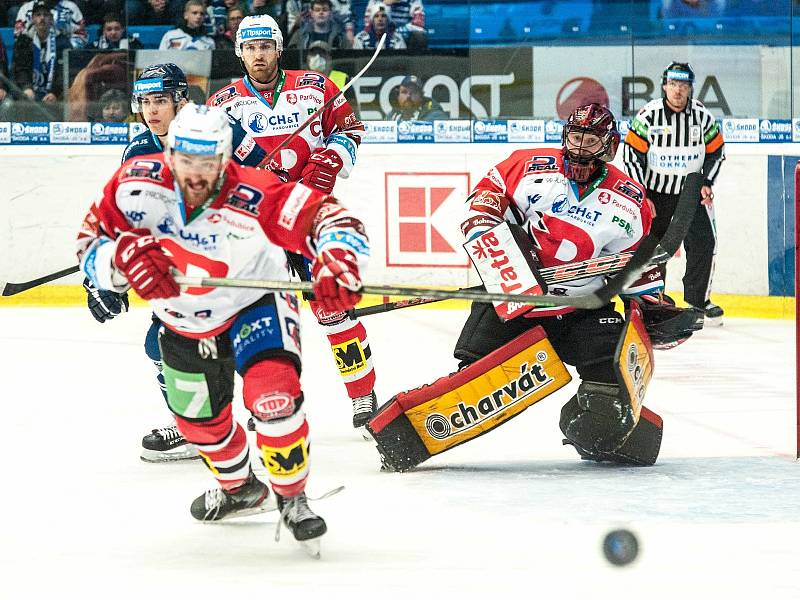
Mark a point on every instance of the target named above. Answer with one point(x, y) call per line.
point(417, 424)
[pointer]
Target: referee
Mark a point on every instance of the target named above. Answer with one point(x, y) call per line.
point(670, 138)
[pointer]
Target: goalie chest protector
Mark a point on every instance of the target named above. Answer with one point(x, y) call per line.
point(415, 425)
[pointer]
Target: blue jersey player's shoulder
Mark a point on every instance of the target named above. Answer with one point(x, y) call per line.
point(144, 143)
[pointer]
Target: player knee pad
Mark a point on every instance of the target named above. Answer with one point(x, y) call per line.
point(272, 389)
point(209, 431)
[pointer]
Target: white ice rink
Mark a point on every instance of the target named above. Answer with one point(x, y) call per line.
point(511, 514)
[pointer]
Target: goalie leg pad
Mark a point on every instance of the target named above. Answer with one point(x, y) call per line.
point(595, 432)
point(420, 423)
point(597, 419)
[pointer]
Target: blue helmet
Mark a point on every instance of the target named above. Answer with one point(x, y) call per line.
point(160, 78)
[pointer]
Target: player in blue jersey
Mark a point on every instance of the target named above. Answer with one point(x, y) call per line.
point(159, 93)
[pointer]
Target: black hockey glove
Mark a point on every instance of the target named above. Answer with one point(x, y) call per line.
point(104, 304)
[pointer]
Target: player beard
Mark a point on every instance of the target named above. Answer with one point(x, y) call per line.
point(263, 72)
point(196, 190)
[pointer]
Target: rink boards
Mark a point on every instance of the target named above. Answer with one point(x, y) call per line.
point(409, 196)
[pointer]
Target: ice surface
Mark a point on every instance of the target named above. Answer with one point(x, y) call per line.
point(511, 513)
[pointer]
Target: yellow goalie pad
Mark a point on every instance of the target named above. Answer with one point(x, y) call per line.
point(634, 360)
point(417, 424)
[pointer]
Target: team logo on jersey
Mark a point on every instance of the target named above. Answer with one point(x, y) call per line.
point(539, 164)
point(311, 80)
point(291, 98)
point(560, 204)
point(167, 226)
point(257, 122)
point(135, 216)
point(630, 190)
point(244, 199)
point(604, 198)
point(224, 95)
point(143, 169)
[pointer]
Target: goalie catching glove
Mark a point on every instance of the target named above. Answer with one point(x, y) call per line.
point(337, 283)
point(321, 170)
point(142, 260)
point(666, 324)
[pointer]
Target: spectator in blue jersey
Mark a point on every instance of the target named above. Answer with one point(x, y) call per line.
point(38, 54)
point(380, 22)
point(159, 92)
point(192, 33)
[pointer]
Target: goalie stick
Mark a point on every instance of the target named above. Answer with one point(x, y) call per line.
point(649, 247)
point(599, 265)
point(9, 289)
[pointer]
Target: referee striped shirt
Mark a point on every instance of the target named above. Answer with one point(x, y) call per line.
point(662, 147)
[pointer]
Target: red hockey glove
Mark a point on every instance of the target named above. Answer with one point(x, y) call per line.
point(143, 262)
point(321, 170)
point(336, 279)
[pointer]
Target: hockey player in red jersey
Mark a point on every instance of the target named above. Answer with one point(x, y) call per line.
point(271, 104)
point(199, 212)
point(546, 206)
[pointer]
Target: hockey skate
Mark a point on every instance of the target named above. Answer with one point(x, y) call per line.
point(166, 444)
point(714, 314)
point(250, 498)
point(306, 526)
point(363, 409)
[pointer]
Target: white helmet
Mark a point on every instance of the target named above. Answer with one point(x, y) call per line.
point(201, 130)
point(258, 27)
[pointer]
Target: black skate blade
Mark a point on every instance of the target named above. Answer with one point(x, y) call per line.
point(311, 547)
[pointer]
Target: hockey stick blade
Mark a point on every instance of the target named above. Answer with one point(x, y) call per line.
point(9, 289)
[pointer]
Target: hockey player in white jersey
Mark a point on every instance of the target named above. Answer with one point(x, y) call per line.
point(272, 103)
point(202, 213)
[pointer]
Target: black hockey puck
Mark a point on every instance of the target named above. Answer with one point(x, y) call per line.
point(620, 547)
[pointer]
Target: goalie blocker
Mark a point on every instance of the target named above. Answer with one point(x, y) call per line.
point(602, 421)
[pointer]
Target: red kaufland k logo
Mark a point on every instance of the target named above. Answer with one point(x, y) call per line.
point(423, 218)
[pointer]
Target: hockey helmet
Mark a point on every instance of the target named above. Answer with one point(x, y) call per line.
point(160, 78)
point(679, 72)
point(200, 130)
point(258, 27)
point(592, 119)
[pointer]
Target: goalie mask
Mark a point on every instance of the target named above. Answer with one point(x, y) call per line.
point(590, 138)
